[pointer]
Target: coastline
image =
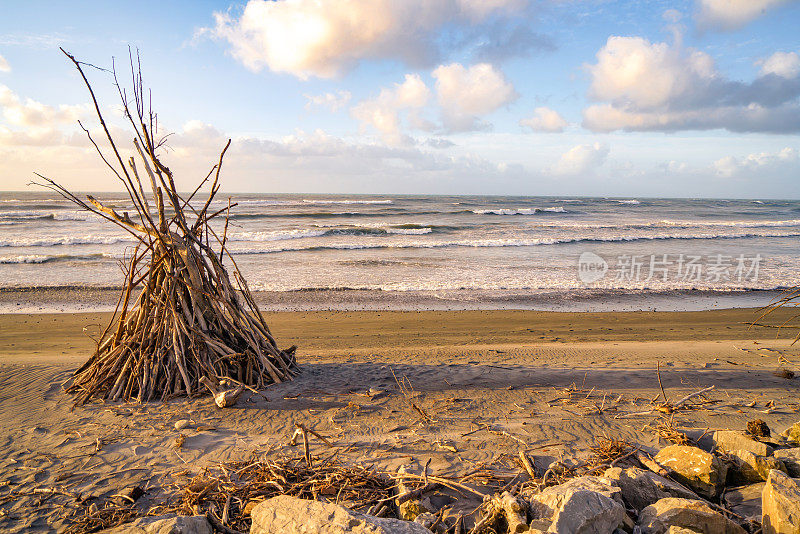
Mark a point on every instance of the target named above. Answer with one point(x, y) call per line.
point(79, 299)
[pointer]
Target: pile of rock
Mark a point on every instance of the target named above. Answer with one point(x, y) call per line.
point(737, 482)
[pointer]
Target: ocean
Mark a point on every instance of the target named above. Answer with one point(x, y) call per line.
point(458, 251)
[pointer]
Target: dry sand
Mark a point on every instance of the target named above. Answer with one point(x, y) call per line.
point(491, 382)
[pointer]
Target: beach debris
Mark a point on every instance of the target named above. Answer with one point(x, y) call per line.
point(128, 495)
point(780, 503)
point(790, 459)
point(180, 424)
point(223, 398)
point(181, 316)
point(696, 516)
point(701, 471)
point(284, 514)
point(758, 428)
point(784, 373)
point(731, 440)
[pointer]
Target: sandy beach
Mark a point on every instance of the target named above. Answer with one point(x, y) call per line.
point(491, 383)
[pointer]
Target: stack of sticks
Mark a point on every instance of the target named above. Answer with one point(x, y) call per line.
point(179, 321)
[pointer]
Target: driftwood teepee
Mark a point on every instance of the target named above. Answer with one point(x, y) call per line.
point(179, 322)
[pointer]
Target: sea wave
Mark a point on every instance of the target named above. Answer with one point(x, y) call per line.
point(348, 201)
point(520, 211)
point(48, 258)
point(65, 240)
point(491, 243)
point(283, 235)
point(626, 201)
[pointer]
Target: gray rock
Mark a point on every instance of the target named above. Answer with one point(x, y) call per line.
point(745, 501)
point(587, 512)
point(682, 530)
point(689, 514)
point(170, 524)
point(641, 488)
point(780, 503)
point(546, 503)
point(693, 467)
point(288, 515)
point(751, 468)
point(732, 440)
point(792, 433)
point(791, 459)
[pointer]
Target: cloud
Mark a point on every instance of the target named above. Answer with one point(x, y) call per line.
point(326, 37)
point(758, 164)
point(4, 66)
point(657, 86)
point(32, 114)
point(383, 112)
point(545, 120)
point(581, 159)
point(332, 101)
point(466, 93)
point(783, 64)
point(732, 14)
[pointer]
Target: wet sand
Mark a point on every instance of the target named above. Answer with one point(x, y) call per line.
point(491, 382)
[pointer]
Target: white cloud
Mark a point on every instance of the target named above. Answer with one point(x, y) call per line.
point(4, 66)
point(733, 14)
point(383, 112)
point(761, 163)
point(783, 64)
point(466, 93)
point(32, 114)
point(331, 101)
point(581, 159)
point(545, 120)
point(657, 86)
point(325, 37)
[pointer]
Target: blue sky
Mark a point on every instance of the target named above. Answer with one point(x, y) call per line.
point(555, 97)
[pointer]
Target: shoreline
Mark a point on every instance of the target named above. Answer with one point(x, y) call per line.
point(77, 299)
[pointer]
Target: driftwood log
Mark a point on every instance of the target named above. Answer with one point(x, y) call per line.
point(181, 326)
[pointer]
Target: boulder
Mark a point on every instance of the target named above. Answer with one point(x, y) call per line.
point(751, 468)
point(700, 470)
point(587, 512)
point(289, 515)
point(682, 530)
point(546, 503)
point(689, 514)
point(790, 459)
point(732, 440)
point(641, 488)
point(792, 433)
point(169, 524)
point(745, 501)
point(780, 504)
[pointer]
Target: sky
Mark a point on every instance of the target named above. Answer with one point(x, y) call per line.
point(691, 98)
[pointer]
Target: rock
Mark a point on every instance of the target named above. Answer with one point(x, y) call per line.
point(758, 428)
point(700, 470)
point(790, 459)
point(409, 510)
point(780, 503)
point(752, 468)
point(288, 515)
point(164, 525)
point(732, 440)
point(682, 530)
point(180, 424)
point(641, 488)
point(689, 514)
point(587, 512)
point(546, 503)
point(745, 501)
point(792, 433)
